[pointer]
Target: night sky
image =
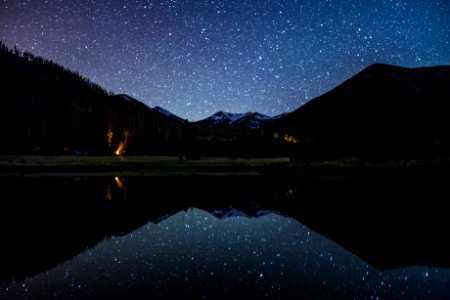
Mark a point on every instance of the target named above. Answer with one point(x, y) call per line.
point(197, 57)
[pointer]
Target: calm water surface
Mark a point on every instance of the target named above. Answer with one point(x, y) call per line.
point(119, 243)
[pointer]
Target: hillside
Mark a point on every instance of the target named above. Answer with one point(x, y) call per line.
point(382, 112)
point(47, 109)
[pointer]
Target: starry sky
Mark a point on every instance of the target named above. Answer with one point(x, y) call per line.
point(197, 57)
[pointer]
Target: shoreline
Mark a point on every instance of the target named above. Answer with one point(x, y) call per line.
point(72, 166)
point(30, 165)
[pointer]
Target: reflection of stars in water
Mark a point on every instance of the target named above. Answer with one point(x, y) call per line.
point(196, 57)
point(194, 253)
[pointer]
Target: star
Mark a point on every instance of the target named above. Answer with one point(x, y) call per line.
point(195, 58)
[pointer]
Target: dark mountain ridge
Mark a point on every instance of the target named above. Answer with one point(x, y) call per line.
point(382, 112)
point(47, 109)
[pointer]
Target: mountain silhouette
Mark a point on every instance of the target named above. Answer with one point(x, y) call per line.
point(47, 109)
point(383, 112)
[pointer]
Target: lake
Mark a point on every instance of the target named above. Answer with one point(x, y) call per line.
point(208, 237)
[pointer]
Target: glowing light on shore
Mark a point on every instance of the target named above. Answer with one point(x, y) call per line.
point(120, 149)
point(290, 139)
point(109, 135)
point(122, 145)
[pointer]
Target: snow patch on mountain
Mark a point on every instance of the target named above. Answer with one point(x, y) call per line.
point(224, 117)
point(250, 119)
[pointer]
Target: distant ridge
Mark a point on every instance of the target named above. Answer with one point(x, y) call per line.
point(47, 109)
point(382, 112)
point(251, 120)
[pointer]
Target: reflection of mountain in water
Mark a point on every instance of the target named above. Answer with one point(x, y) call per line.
point(192, 254)
point(370, 216)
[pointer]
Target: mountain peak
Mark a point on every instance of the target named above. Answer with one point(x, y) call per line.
point(166, 113)
point(157, 109)
point(384, 111)
point(377, 66)
point(126, 97)
point(399, 72)
point(132, 100)
point(251, 120)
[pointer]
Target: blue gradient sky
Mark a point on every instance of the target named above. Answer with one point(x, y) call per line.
point(197, 57)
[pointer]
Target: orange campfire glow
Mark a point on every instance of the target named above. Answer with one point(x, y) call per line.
point(109, 136)
point(122, 145)
point(120, 148)
point(290, 139)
